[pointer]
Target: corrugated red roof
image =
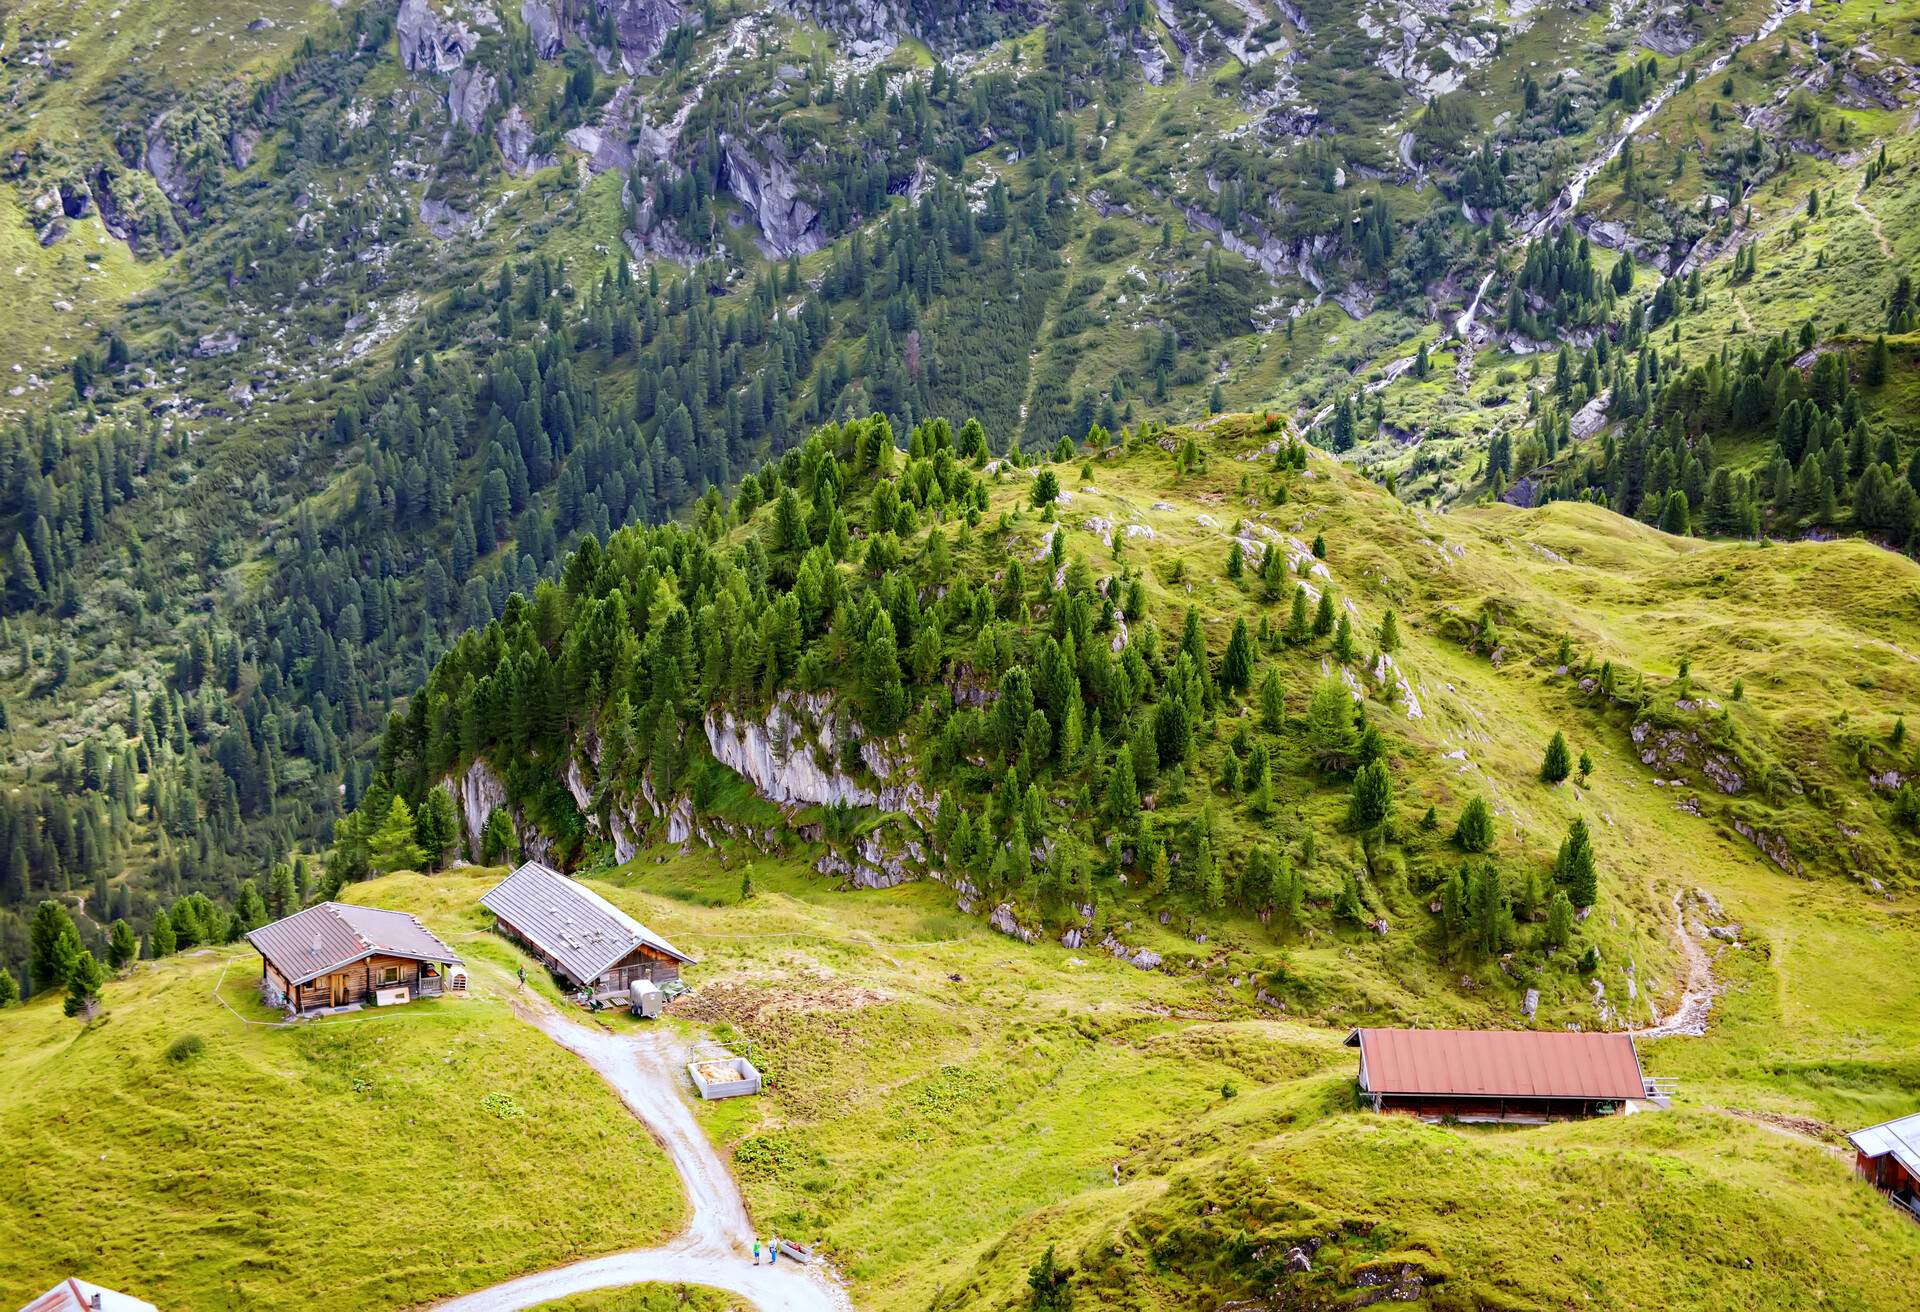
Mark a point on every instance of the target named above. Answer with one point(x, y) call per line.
point(1500, 1063)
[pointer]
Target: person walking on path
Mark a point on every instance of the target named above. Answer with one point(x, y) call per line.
point(756, 1250)
point(773, 1251)
point(523, 977)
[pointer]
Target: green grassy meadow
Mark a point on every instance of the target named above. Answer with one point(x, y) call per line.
point(376, 1160)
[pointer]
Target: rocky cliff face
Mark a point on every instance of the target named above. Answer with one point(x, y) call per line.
point(476, 795)
point(778, 755)
point(471, 92)
point(759, 176)
point(641, 27)
point(432, 42)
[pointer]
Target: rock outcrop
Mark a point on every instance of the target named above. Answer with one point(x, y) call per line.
point(476, 795)
point(543, 28)
point(641, 27)
point(169, 170)
point(514, 135)
point(431, 42)
point(471, 92)
point(777, 758)
point(788, 224)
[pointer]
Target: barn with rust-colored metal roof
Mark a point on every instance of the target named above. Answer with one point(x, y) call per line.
point(1498, 1075)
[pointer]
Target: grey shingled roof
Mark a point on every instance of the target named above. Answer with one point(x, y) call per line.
point(323, 938)
point(570, 922)
point(1901, 1138)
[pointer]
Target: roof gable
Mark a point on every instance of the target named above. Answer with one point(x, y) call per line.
point(75, 1295)
point(329, 935)
point(1501, 1063)
point(570, 922)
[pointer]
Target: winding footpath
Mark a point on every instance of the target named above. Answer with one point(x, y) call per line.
point(646, 1068)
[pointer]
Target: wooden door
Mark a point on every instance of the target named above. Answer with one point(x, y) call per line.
point(339, 989)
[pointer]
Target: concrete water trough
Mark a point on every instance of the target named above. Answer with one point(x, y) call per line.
point(724, 1077)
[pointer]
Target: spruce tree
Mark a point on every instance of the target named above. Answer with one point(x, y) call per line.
point(1574, 867)
point(1123, 792)
point(1330, 736)
point(1236, 670)
point(1474, 832)
point(1558, 763)
point(122, 946)
point(436, 826)
point(1389, 633)
point(1323, 615)
point(1297, 630)
point(9, 988)
point(249, 908)
point(53, 947)
point(161, 939)
point(392, 846)
point(884, 695)
point(84, 982)
point(1370, 801)
point(1559, 931)
point(1273, 702)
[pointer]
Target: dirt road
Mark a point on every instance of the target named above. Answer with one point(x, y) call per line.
point(647, 1069)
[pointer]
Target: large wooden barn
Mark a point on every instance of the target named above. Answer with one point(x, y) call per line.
point(336, 955)
point(1498, 1075)
point(1887, 1156)
point(578, 934)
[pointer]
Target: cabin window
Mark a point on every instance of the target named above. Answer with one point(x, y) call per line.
point(389, 974)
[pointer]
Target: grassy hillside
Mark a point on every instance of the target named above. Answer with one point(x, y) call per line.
point(206, 1160)
point(944, 1104)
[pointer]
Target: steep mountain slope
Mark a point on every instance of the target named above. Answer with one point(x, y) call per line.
point(875, 682)
point(271, 462)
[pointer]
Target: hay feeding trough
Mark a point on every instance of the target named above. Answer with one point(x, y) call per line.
point(724, 1077)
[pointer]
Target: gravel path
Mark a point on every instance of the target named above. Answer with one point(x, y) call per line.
point(647, 1069)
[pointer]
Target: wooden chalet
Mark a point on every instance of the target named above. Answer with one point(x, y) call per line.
point(335, 955)
point(579, 935)
point(1887, 1157)
point(1529, 1076)
point(76, 1295)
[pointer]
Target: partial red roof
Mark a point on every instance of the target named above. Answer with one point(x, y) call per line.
point(1499, 1063)
point(308, 944)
